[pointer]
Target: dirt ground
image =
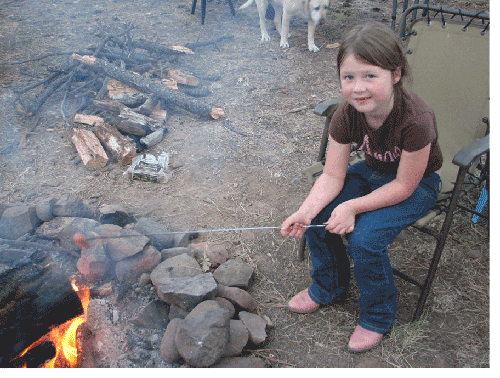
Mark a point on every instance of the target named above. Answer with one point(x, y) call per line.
point(248, 178)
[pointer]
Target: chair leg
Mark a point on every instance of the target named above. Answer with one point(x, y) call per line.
point(231, 6)
point(426, 287)
point(193, 8)
point(302, 248)
point(203, 10)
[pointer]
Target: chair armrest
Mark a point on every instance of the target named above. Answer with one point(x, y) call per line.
point(327, 108)
point(467, 154)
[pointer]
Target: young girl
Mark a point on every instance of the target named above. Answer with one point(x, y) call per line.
point(372, 201)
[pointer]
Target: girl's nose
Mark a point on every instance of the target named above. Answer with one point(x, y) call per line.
point(359, 86)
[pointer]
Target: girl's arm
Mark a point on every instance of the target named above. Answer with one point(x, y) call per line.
point(410, 171)
point(324, 190)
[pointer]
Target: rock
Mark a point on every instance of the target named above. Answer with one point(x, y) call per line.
point(182, 240)
point(269, 322)
point(241, 362)
point(12, 257)
point(172, 252)
point(153, 315)
point(234, 273)
point(102, 291)
point(113, 214)
point(216, 253)
point(256, 327)
point(187, 292)
point(238, 338)
point(94, 263)
point(130, 269)
point(238, 297)
point(4, 268)
point(168, 349)
point(144, 279)
point(69, 205)
point(17, 221)
point(474, 253)
point(120, 248)
point(175, 267)
point(177, 312)
point(44, 209)
point(202, 339)
point(63, 229)
point(153, 230)
point(202, 307)
point(224, 303)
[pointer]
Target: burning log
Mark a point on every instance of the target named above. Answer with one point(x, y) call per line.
point(34, 297)
point(150, 87)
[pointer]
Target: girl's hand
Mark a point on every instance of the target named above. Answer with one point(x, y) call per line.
point(292, 226)
point(342, 220)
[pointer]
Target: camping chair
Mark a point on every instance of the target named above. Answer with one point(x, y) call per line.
point(449, 61)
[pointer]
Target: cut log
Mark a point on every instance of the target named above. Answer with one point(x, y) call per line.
point(87, 119)
point(116, 143)
point(150, 87)
point(183, 77)
point(34, 297)
point(90, 150)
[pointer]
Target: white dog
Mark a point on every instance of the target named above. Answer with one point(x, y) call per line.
point(312, 10)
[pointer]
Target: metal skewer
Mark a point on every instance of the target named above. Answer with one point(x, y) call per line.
point(83, 240)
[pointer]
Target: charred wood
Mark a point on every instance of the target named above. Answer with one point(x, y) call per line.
point(150, 87)
point(34, 297)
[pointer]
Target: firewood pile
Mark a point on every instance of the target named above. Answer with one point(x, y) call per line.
point(122, 89)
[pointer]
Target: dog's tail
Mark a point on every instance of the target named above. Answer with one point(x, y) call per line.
point(247, 4)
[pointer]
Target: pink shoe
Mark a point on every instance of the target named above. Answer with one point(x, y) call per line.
point(363, 340)
point(302, 303)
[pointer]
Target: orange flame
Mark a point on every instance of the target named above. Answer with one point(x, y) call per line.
point(64, 336)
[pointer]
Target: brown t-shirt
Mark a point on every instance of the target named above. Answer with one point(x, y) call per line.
point(410, 126)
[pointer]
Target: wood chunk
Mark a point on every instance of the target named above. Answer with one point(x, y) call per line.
point(116, 143)
point(87, 119)
point(183, 78)
point(89, 148)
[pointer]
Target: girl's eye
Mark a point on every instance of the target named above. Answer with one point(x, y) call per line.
point(348, 77)
point(370, 76)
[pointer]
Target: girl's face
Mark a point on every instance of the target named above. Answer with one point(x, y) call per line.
point(370, 89)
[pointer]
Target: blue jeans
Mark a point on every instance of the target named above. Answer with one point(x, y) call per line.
point(367, 246)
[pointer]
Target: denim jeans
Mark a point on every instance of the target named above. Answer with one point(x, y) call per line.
point(367, 246)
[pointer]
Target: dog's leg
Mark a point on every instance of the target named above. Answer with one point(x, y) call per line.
point(261, 8)
point(311, 28)
point(285, 25)
point(278, 13)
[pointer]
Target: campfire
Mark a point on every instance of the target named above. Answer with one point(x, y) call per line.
point(64, 338)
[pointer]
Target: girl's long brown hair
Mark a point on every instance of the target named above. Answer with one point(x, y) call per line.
point(376, 44)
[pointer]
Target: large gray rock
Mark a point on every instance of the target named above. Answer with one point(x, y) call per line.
point(144, 262)
point(234, 273)
point(202, 339)
point(69, 205)
point(238, 338)
point(63, 229)
point(168, 350)
point(175, 267)
point(44, 209)
point(172, 252)
point(121, 243)
point(187, 292)
point(17, 221)
point(156, 232)
point(153, 315)
point(256, 327)
point(237, 297)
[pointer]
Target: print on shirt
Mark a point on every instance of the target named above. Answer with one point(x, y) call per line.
point(387, 156)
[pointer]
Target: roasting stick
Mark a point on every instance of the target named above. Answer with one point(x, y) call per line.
point(83, 241)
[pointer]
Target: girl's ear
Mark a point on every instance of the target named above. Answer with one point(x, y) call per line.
point(396, 75)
